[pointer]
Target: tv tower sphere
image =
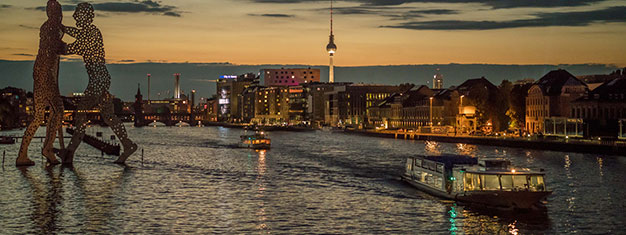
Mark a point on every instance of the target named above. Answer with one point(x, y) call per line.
point(331, 47)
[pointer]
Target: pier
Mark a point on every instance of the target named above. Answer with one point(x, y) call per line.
point(105, 147)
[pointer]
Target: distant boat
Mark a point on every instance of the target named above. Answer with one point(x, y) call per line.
point(491, 183)
point(156, 124)
point(258, 140)
point(182, 124)
point(7, 140)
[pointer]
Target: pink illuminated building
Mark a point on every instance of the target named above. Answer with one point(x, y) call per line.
point(289, 77)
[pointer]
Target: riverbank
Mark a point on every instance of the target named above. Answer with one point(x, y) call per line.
point(568, 145)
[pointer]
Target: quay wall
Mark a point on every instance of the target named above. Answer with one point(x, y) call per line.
point(561, 145)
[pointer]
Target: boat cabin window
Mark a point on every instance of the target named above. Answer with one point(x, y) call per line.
point(478, 182)
point(536, 183)
point(418, 162)
point(490, 182)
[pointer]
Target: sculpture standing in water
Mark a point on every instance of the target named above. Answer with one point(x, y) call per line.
point(89, 45)
point(46, 87)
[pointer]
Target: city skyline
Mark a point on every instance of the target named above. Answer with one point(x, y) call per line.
point(370, 32)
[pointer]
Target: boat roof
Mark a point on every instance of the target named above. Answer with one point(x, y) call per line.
point(505, 172)
point(451, 159)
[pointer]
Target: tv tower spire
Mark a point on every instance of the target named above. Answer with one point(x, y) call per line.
point(331, 48)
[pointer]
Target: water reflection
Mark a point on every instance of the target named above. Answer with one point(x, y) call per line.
point(452, 213)
point(600, 163)
point(466, 149)
point(46, 196)
point(432, 147)
point(476, 221)
point(260, 181)
point(308, 183)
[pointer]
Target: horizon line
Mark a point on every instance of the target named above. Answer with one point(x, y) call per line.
point(347, 66)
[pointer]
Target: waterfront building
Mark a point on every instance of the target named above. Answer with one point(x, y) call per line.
point(317, 100)
point(248, 102)
point(19, 107)
point(70, 105)
point(405, 110)
point(481, 106)
point(347, 105)
point(602, 108)
point(209, 109)
point(298, 105)
point(595, 80)
point(421, 108)
point(550, 97)
point(229, 90)
point(289, 77)
point(271, 106)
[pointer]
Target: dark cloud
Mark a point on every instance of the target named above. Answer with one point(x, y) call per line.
point(367, 10)
point(580, 18)
point(273, 15)
point(491, 3)
point(435, 12)
point(147, 6)
point(28, 27)
point(24, 54)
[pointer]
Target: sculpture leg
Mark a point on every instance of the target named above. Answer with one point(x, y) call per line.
point(53, 125)
point(22, 158)
point(60, 110)
point(108, 115)
point(88, 102)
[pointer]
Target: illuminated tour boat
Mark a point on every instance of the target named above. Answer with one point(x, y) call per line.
point(258, 140)
point(486, 182)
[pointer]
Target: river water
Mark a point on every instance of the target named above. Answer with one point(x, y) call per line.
point(194, 180)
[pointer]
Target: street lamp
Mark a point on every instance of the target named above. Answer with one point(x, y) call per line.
point(461, 103)
point(431, 114)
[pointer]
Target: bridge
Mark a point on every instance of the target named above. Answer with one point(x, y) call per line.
point(169, 119)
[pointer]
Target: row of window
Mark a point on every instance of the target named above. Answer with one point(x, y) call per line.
point(537, 113)
point(612, 112)
point(537, 101)
point(286, 72)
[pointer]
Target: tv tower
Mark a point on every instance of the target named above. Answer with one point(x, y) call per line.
point(331, 48)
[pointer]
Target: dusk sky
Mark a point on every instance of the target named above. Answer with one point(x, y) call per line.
point(368, 32)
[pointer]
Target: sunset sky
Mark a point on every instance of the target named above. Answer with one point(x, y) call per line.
point(368, 32)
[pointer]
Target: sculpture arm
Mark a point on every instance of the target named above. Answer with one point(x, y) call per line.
point(70, 49)
point(73, 32)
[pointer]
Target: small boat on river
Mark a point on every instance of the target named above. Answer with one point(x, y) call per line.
point(492, 183)
point(258, 140)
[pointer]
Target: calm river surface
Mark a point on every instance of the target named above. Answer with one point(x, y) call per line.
point(194, 180)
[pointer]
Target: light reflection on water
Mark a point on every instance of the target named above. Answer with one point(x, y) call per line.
point(194, 180)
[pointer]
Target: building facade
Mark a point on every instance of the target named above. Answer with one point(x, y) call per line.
point(229, 90)
point(347, 105)
point(550, 97)
point(602, 108)
point(289, 77)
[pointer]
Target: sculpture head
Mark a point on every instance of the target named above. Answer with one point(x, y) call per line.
point(83, 14)
point(54, 11)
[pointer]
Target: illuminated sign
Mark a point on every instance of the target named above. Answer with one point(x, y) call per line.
point(224, 101)
point(228, 76)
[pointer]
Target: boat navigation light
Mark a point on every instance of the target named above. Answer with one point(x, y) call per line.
point(512, 170)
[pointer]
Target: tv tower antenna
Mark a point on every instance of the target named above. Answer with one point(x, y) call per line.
point(331, 48)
